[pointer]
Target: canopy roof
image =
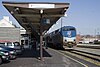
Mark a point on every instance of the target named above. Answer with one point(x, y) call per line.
point(29, 14)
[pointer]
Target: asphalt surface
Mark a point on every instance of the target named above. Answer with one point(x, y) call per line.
point(30, 58)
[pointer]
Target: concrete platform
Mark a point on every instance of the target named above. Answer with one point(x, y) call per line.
point(29, 58)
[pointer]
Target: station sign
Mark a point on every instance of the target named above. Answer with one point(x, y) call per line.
point(41, 5)
point(46, 21)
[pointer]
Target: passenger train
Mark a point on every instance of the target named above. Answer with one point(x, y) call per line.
point(64, 37)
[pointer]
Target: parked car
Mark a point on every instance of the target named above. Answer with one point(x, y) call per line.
point(4, 56)
point(96, 42)
point(17, 47)
point(14, 45)
point(12, 52)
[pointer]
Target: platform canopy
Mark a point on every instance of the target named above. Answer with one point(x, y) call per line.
point(36, 15)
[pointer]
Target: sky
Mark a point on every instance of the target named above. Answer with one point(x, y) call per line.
point(84, 15)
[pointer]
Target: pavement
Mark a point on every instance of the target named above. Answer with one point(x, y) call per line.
point(30, 58)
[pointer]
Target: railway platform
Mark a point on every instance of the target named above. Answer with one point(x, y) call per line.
point(51, 58)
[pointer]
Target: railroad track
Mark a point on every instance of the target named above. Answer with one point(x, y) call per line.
point(95, 59)
point(89, 46)
point(86, 54)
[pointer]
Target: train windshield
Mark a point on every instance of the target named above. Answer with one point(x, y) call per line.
point(69, 32)
point(66, 29)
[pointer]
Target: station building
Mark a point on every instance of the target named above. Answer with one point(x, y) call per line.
point(10, 32)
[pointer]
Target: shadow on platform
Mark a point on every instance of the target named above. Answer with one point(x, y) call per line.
point(33, 53)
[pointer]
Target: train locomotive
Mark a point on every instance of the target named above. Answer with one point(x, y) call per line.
point(64, 37)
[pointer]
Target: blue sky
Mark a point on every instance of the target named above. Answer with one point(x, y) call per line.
point(83, 14)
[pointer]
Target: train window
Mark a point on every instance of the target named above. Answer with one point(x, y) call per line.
point(66, 29)
point(56, 31)
point(72, 29)
point(53, 33)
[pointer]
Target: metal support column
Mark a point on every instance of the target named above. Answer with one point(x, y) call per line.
point(61, 23)
point(41, 50)
point(41, 36)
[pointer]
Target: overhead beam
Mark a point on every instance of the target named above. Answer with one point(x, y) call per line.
point(31, 23)
point(38, 15)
